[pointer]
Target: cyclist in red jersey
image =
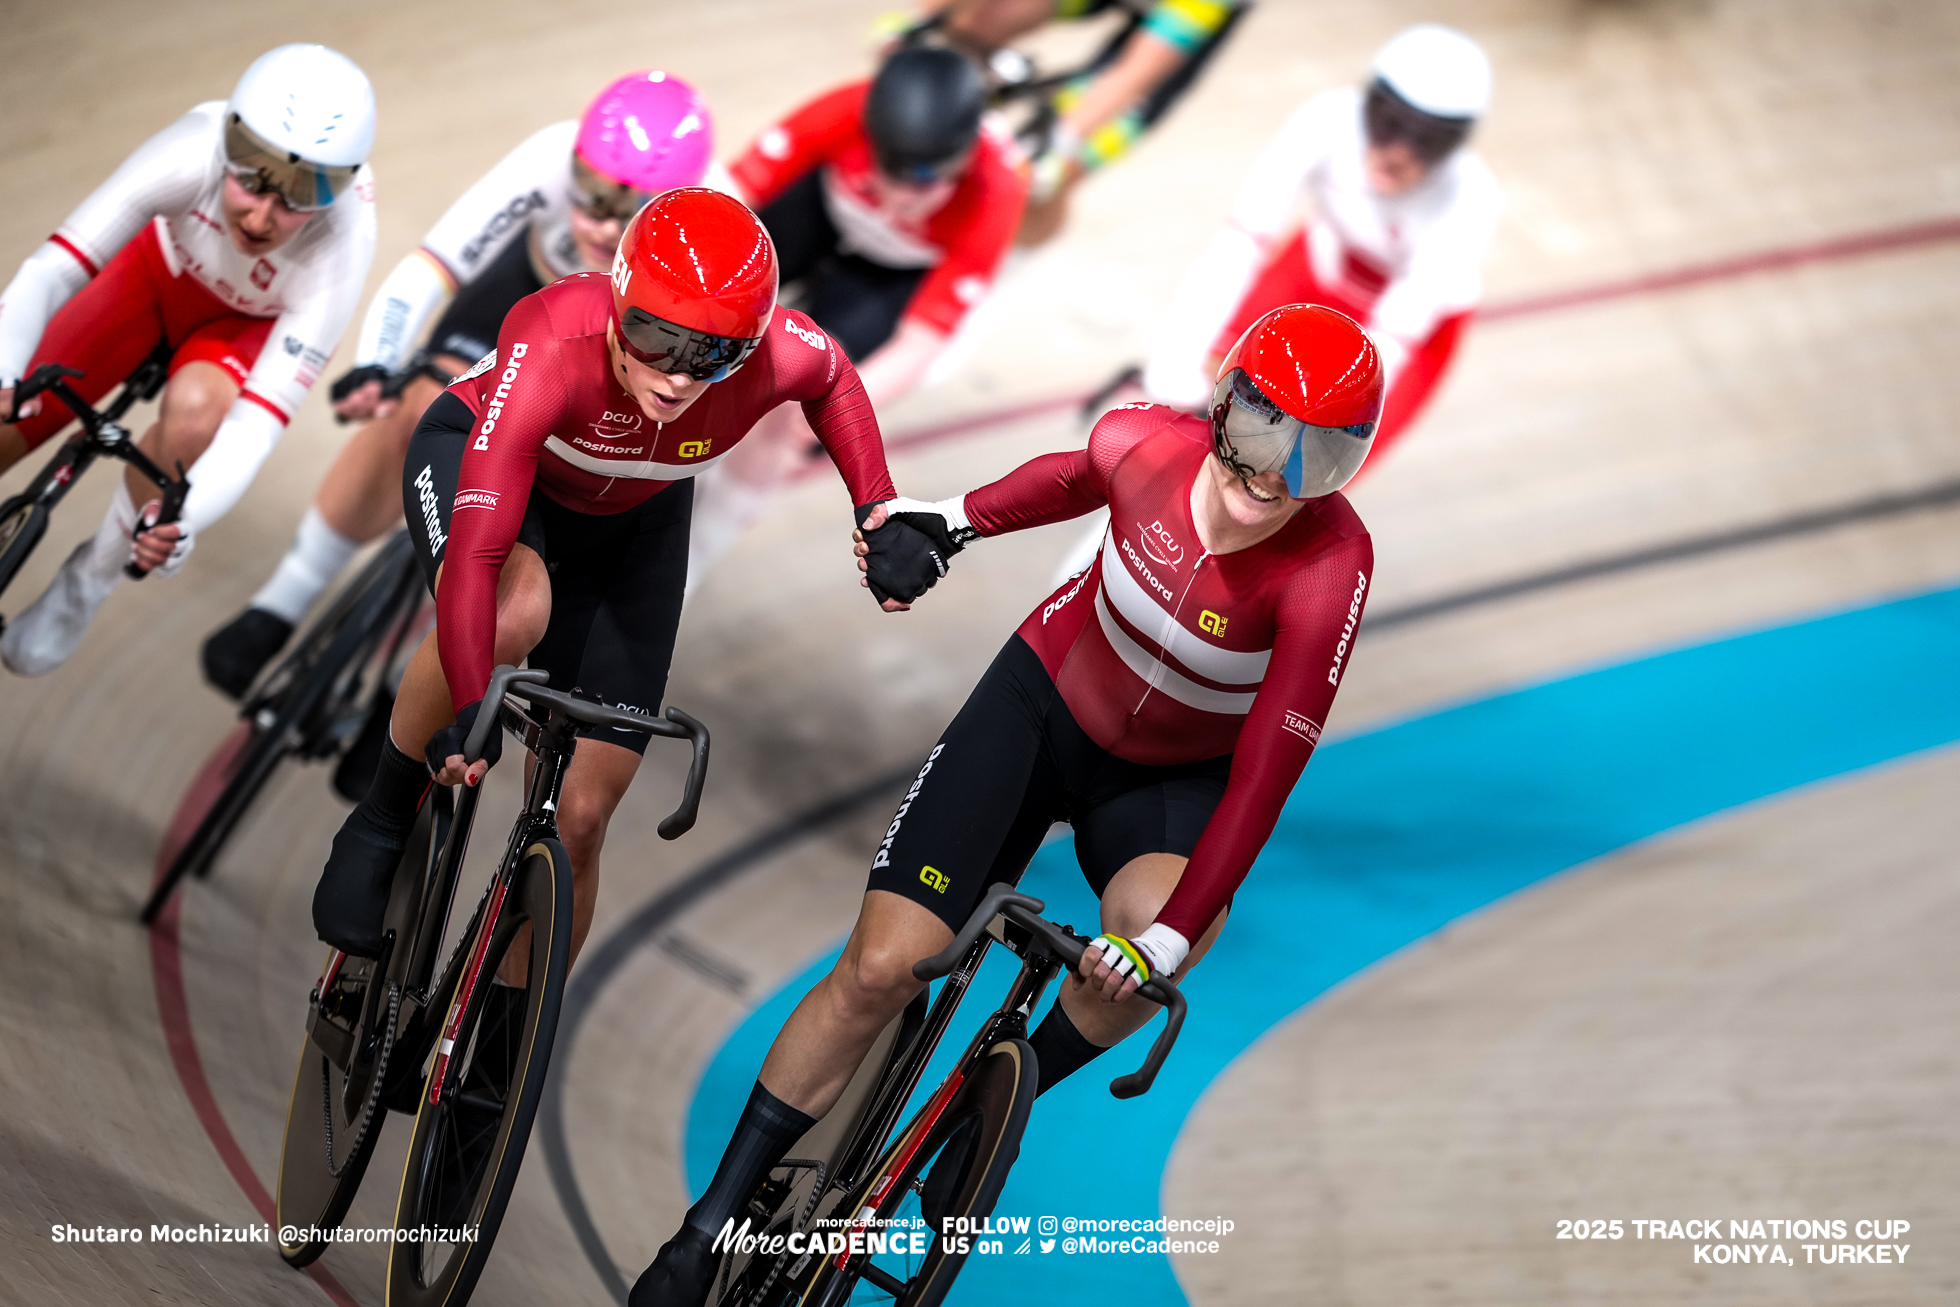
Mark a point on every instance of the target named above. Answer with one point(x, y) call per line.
point(892, 205)
point(1163, 703)
point(548, 491)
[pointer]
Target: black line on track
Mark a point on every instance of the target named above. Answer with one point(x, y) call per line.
point(599, 965)
point(597, 968)
point(1934, 496)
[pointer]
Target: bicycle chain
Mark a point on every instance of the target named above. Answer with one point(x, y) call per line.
point(374, 1088)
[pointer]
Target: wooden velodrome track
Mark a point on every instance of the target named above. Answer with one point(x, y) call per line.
point(1750, 1016)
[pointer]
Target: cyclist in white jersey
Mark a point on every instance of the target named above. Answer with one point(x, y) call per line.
point(554, 206)
point(240, 235)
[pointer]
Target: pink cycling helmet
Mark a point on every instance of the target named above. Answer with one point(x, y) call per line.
point(649, 131)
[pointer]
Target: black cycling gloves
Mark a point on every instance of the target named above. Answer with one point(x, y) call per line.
point(912, 550)
point(448, 741)
point(354, 378)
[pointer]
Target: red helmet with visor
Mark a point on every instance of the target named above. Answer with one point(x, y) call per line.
point(1300, 393)
point(694, 284)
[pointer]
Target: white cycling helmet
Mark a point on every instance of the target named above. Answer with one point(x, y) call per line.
point(1437, 70)
point(300, 122)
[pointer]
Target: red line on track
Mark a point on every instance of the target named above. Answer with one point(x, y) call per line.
point(1736, 265)
point(1931, 232)
point(167, 966)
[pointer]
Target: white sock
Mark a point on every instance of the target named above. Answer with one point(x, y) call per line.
point(111, 549)
point(317, 554)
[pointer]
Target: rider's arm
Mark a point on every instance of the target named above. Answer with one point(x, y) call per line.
point(1263, 211)
point(1051, 487)
point(164, 175)
point(502, 459)
point(1106, 118)
point(812, 134)
point(834, 403)
point(406, 300)
point(296, 352)
point(1317, 616)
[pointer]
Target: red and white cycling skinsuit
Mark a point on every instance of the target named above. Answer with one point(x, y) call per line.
point(147, 258)
point(962, 241)
point(1167, 654)
point(550, 417)
point(1406, 267)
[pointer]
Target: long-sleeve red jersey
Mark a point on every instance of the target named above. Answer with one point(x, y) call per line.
point(1166, 653)
point(961, 238)
point(551, 419)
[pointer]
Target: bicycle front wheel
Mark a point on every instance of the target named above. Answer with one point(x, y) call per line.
point(22, 524)
point(967, 1152)
point(475, 1119)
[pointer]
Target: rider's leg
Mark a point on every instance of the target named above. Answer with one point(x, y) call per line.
point(42, 637)
point(13, 446)
point(812, 1060)
point(195, 400)
point(834, 1026)
point(596, 781)
point(360, 497)
point(1080, 1026)
point(352, 896)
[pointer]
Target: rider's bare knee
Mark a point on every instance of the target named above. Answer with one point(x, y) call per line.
point(582, 820)
point(877, 978)
point(194, 402)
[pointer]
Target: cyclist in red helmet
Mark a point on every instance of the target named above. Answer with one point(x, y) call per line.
point(548, 493)
point(1163, 703)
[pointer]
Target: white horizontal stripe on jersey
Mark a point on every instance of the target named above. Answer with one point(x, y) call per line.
point(1159, 676)
point(647, 470)
point(1226, 666)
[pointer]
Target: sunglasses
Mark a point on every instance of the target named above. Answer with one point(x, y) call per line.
point(682, 351)
point(602, 199)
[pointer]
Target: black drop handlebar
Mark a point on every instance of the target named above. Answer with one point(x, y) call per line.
point(1024, 910)
point(105, 426)
point(529, 685)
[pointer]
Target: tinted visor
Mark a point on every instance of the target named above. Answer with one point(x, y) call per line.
point(1390, 118)
point(668, 347)
point(602, 199)
point(1254, 435)
point(265, 169)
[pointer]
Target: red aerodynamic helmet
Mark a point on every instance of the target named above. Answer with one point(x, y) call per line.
point(1300, 392)
point(694, 283)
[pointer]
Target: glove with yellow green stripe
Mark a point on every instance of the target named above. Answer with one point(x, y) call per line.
point(1158, 951)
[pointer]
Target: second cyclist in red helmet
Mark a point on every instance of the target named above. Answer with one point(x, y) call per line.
point(548, 493)
point(1163, 703)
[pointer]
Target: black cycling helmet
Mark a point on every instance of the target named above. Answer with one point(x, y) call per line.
point(923, 111)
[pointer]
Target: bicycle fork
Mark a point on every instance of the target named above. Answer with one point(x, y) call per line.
point(541, 808)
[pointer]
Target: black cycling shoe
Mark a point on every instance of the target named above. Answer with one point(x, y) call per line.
point(350, 904)
point(948, 1170)
point(681, 1275)
point(236, 652)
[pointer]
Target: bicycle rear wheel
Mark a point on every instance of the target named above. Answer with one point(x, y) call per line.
point(337, 1108)
point(22, 524)
point(990, 1110)
point(469, 1137)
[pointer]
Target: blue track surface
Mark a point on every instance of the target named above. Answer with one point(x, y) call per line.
point(1394, 834)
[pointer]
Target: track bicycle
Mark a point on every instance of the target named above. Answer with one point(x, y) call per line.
point(24, 517)
point(401, 1034)
point(892, 1194)
point(329, 696)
